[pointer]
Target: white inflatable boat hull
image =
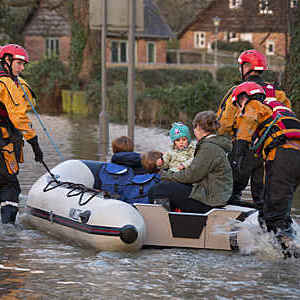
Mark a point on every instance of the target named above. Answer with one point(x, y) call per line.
point(108, 224)
point(112, 225)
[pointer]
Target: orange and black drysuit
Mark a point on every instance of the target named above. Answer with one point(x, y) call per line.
point(254, 169)
point(14, 125)
point(274, 134)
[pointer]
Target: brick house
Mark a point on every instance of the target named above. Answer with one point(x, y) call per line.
point(151, 43)
point(48, 32)
point(264, 23)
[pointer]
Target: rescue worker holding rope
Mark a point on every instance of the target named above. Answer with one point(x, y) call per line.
point(273, 131)
point(14, 126)
point(252, 64)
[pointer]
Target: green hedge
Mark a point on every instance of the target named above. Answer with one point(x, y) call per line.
point(46, 75)
point(177, 91)
point(238, 46)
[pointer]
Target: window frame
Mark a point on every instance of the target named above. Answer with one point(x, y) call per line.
point(246, 36)
point(266, 9)
point(268, 44)
point(200, 39)
point(52, 48)
point(148, 53)
point(119, 54)
point(293, 3)
point(233, 37)
point(234, 4)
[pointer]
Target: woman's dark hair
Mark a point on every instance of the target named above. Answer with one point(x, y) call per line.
point(207, 120)
point(122, 144)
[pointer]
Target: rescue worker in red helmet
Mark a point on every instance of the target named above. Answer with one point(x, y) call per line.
point(14, 126)
point(252, 64)
point(274, 132)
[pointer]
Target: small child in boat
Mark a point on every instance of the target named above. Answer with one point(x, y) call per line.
point(149, 161)
point(123, 154)
point(182, 150)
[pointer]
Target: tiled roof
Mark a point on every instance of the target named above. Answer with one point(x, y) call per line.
point(154, 23)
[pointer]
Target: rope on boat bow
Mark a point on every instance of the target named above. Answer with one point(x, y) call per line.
point(76, 189)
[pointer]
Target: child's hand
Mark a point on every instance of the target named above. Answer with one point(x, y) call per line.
point(181, 167)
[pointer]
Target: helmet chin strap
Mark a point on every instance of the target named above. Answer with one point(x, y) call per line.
point(8, 66)
point(245, 76)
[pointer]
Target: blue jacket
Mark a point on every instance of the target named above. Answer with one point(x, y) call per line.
point(129, 159)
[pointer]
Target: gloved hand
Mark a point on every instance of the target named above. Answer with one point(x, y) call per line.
point(36, 149)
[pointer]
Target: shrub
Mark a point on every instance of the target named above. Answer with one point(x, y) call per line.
point(227, 77)
point(188, 98)
point(239, 46)
point(46, 75)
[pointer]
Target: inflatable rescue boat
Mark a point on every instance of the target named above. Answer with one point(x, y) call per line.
point(66, 202)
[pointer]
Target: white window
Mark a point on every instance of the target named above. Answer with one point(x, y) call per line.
point(119, 52)
point(52, 47)
point(270, 47)
point(151, 53)
point(232, 37)
point(294, 3)
point(264, 7)
point(199, 39)
point(235, 4)
point(246, 37)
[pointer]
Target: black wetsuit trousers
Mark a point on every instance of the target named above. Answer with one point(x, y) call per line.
point(282, 179)
point(253, 169)
point(9, 195)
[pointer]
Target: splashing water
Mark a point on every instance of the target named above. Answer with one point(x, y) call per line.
point(253, 240)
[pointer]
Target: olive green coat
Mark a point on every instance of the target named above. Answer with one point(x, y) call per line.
point(210, 171)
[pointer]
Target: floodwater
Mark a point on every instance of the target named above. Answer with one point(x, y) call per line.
point(36, 266)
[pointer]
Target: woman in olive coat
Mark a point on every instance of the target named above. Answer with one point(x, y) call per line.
point(207, 182)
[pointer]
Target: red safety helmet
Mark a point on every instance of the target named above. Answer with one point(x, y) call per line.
point(251, 89)
point(257, 60)
point(16, 52)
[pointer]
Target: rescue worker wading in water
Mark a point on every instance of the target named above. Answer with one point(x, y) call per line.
point(273, 131)
point(252, 64)
point(14, 126)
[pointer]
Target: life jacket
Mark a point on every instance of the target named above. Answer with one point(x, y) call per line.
point(120, 182)
point(281, 126)
point(3, 111)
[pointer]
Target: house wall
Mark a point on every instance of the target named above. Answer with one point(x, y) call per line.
point(35, 45)
point(259, 41)
point(277, 38)
point(245, 19)
point(161, 54)
point(141, 52)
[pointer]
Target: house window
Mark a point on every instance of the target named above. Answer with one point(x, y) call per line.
point(199, 39)
point(52, 47)
point(264, 7)
point(246, 37)
point(235, 4)
point(151, 53)
point(270, 48)
point(119, 52)
point(294, 3)
point(232, 37)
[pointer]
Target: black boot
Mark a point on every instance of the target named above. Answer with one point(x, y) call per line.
point(285, 236)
